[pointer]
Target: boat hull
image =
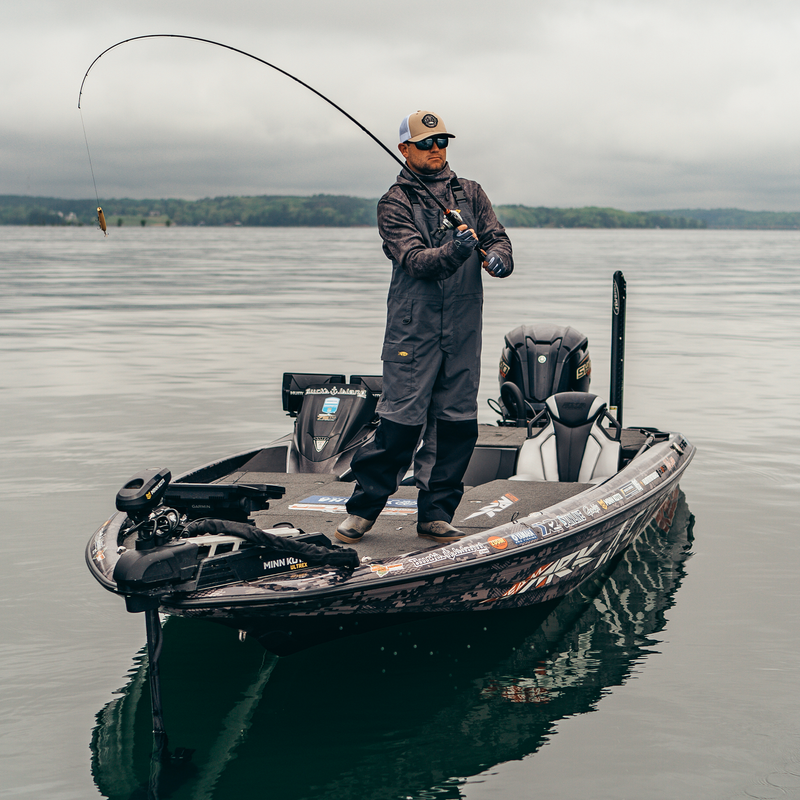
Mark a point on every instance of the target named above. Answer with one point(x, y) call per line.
point(535, 560)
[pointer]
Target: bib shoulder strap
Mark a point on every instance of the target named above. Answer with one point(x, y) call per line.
point(458, 193)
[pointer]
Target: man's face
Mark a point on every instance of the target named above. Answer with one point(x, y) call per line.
point(425, 162)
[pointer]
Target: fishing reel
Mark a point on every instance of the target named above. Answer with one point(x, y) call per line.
point(452, 221)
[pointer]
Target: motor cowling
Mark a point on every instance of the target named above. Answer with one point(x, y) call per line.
point(539, 361)
point(332, 422)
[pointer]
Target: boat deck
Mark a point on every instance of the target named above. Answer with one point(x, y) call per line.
point(316, 503)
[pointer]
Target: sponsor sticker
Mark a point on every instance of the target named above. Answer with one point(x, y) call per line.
point(336, 505)
point(571, 518)
point(382, 570)
point(495, 506)
point(498, 542)
point(609, 501)
point(648, 479)
point(551, 526)
point(591, 510)
point(448, 554)
point(527, 535)
point(632, 487)
point(330, 405)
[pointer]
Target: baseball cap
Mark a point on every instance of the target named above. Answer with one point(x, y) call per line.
point(421, 125)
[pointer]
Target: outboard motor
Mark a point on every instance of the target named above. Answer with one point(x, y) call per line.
point(539, 361)
point(333, 420)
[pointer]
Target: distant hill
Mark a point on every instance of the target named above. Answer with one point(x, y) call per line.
point(589, 217)
point(342, 211)
point(276, 211)
point(736, 218)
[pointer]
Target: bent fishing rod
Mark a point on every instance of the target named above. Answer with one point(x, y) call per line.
point(452, 217)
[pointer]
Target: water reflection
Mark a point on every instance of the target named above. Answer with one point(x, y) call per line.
point(396, 713)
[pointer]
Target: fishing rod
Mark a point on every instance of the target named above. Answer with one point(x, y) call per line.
point(452, 217)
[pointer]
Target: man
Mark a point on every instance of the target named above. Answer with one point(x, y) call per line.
point(432, 344)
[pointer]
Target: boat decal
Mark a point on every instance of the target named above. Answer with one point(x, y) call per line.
point(320, 442)
point(498, 542)
point(592, 510)
point(629, 530)
point(631, 487)
point(337, 505)
point(330, 405)
point(550, 526)
point(609, 501)
point(528, 534)
point(495, 506)
point(382, 570)
point(553, 571)
point(448, 554)
point(340, 390)
point(648, 479)
point(282, 563)
point(329, 408)
point(571, 518)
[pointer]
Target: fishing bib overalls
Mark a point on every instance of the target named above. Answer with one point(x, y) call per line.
point(431, 373)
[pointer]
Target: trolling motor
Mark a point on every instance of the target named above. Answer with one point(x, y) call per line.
point(159, 513)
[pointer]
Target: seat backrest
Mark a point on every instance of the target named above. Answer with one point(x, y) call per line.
point(573, 446)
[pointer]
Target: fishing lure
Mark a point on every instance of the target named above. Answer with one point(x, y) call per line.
point(101, 218)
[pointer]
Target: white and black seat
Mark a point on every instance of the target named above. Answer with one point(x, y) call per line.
point(573, 446)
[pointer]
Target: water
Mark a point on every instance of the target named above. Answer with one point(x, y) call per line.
point(166, 346)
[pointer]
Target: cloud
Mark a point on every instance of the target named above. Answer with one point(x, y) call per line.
point(640, 105)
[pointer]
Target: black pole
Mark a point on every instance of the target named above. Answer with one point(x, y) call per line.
point(617, 345)
point(160, 751)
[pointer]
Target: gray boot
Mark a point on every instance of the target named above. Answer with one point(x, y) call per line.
point(439, 531)
point(353, 528)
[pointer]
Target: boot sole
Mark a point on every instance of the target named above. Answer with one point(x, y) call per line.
point(442, 539)
point(347, 539)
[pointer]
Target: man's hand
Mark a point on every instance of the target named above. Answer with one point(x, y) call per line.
point(466, 241)
point(495, 267)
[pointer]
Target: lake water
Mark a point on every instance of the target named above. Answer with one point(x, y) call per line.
point(677, 677)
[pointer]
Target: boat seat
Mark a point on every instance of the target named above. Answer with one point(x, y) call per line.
point(573, 445)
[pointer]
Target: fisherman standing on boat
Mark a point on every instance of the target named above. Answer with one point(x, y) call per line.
point(432, 344)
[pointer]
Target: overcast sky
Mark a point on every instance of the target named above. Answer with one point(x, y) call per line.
point(634, 104)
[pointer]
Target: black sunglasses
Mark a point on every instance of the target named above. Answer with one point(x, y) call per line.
point(427, 144)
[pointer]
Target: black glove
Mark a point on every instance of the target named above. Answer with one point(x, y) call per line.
point(496, 267)
point(465, 243)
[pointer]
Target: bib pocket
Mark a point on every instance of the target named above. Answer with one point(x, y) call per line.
point(399, 368)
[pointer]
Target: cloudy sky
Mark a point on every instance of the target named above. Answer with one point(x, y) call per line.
point(635, 104)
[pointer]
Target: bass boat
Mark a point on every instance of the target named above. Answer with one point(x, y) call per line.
point(554, 493)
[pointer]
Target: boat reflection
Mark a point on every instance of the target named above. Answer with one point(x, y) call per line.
point(405, 711)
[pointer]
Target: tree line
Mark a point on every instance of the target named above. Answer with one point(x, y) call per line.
point(343, 211)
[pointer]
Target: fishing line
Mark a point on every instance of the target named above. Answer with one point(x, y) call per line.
point(100, 216)
point(452, 217)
